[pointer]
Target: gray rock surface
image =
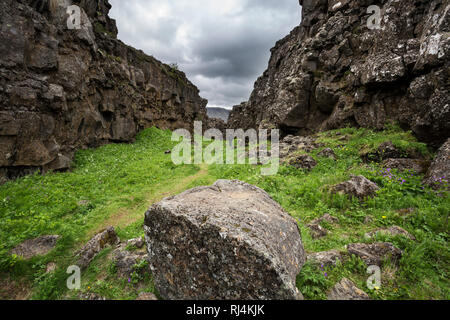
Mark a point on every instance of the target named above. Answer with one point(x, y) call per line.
point(347, 290)
point(358, 187)
point(392, 231)
point(126, 260)
point(226, 241)
point(97, 243)
point(375, 253)
point(326, 258)
point(302, 161)
point(62, 90)
point(333, 71)
point(34, 247)
point(438, 175)
point(413, 165)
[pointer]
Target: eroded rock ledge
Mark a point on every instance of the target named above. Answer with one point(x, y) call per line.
point(62, 90)
point(333, 71)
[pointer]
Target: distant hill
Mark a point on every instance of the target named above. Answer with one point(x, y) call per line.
point(219, 113)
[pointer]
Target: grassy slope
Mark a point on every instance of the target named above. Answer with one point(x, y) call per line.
point(115, 184)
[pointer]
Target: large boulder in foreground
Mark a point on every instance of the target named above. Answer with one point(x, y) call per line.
point(227, 241)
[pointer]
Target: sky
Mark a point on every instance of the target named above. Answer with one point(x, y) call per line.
point(223, 46)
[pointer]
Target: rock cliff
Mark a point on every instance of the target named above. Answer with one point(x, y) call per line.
point(64, 89)
point(335, 70)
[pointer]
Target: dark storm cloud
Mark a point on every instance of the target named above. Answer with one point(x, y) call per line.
point(223, 46)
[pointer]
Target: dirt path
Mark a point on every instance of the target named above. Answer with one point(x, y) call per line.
point(127, 216)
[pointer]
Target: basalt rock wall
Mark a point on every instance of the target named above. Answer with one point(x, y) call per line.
point(334, 71)
point(64, 89)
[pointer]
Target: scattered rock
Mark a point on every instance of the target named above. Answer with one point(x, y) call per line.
point(126, 260)
point(95, 245)
point(137, 242)
point(368, 220)
point(303, 161)
point(332, 72)
point(147, 296)
point(358, 187)
point(327, 153)
point(392, 231)
point(91, 297)
point(413, 165)
point(227, 241)
point(327, 218)
point(347, 290)
point(34, 247)
point(386, 150)
point(317, 231)
point(326, 258)
point(375, 253)
point(439, 173)
point(51, 266)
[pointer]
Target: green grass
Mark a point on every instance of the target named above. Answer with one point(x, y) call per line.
point(118, 182)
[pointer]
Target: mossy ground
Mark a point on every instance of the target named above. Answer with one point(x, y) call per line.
point(115, 184)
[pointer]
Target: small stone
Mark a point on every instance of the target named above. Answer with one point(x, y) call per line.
point(358, 186)
point(326, 257)
point(375, 253)
point(228, 241)
point(34, 247)
point(147, 296)
point(392, 231)
point(137, 242)
point(303, 161)
point(327, 218)
point(126, 260)
point(347, 290)
point(413, 165)
point(317, 231)
point(51, 266)
point(327, 153)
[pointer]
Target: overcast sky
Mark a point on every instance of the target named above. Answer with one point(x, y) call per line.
point(222, 45)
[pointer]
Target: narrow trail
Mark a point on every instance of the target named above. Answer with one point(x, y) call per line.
point(126, 216)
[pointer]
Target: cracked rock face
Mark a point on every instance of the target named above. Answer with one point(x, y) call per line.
point(333, 71)
point(38, 246)
point(226, 241)
point(107, 237)
point(62, 90)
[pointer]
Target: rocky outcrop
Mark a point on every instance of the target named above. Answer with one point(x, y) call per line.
point(34, 247)
point(347, 290)
point(375, 253)
point(358, 186)
point(391, 231)
point(107, 237)
point(438, 175)
point(326, 258)
point(227, 241)
point(333, 71)
point(62, 90)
